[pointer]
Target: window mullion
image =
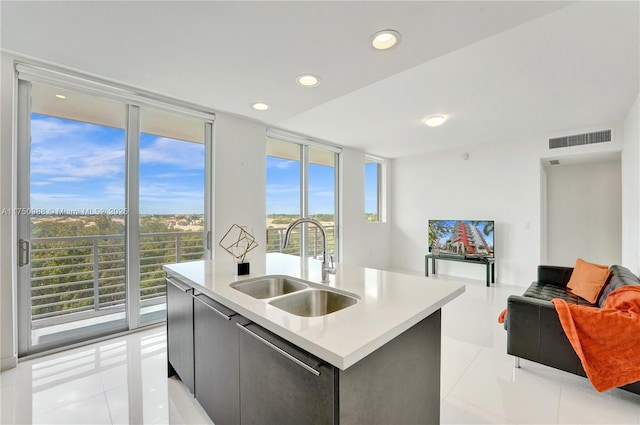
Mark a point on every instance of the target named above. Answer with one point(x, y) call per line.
point(304, 199)
point(208, 191)
point(379, 190)
point(336, 210)
point(132, 232)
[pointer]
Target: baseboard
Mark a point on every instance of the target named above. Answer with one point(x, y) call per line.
point(8, 363)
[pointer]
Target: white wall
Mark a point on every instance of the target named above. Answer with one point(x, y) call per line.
point(584, 212)
point(631, 190)
point(239, 182)
point(504, 182)
point(500, 182)
point(543, 215)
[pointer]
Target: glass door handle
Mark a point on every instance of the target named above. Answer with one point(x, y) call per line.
point(23, 252)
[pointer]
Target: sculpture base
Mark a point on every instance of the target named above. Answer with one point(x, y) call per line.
point(242, 269)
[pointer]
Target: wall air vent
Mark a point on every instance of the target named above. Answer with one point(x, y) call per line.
point(580, 139)
point(554, 162)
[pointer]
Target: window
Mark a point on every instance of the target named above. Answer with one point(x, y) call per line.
point(301, 182)
point(373, 190)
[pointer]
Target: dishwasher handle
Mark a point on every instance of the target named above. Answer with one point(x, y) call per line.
point(210, 307)
point(180, 286)
point(280, 350)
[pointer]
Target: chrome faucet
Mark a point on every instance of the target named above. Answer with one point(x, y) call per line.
point(326, 268)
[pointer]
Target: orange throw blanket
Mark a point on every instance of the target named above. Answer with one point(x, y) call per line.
point(502, 316)
point(607, 339)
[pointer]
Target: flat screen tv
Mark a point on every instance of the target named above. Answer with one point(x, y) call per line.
point(468, 238)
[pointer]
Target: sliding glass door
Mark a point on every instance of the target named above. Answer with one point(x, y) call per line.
point(108, 192)
point(171, 201)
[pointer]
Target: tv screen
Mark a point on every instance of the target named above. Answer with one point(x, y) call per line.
point(469, 238)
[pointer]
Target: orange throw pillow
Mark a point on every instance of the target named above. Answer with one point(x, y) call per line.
point(587, 280)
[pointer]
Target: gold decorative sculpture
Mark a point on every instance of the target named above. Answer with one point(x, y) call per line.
point(238, 242)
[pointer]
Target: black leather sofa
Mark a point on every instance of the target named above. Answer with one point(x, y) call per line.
point(533, 327)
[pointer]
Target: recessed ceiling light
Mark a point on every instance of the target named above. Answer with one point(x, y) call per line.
point(259, 106)
point(435, 120)
point(61, 96)
point(308, 80)
point(385, 39)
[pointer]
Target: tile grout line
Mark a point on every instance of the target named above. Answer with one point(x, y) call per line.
point(469, 402)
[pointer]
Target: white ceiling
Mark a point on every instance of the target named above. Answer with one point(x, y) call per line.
point(502, 71)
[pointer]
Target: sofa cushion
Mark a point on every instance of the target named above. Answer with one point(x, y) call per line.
point(547, 292)
point(620, 276)
point(588, 279)
point(555, 275)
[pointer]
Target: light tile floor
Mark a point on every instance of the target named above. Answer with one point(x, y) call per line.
point(123, 381)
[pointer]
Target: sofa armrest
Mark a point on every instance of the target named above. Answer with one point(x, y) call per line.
point(523, 326)
point(554, 275)
point(534, 332)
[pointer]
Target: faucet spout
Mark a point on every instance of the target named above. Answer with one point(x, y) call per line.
point(326, 268)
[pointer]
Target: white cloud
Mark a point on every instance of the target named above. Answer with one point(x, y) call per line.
point(282, 164)
point(325, 194)
point(65, 179)
point(282, 188)
point(174, 175)
point(47, 197)
point(162, 150)
point(169, 193)
point(49, 128)
point(68, 149)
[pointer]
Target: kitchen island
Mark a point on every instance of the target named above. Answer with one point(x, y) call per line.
point(377, 361)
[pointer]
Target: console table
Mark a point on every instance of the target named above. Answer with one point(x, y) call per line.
point(489, 263)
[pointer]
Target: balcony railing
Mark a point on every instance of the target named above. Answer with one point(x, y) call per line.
point(77, 277)
point(275, 237)
point(87, 274)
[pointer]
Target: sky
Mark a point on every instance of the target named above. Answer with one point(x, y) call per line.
point(371, 188)
point(81, 166)
point(283, 187)
point(480, 225)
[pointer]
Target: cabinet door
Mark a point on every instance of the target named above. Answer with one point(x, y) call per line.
point(180, 331)
point(216, 361)
point(280, 383)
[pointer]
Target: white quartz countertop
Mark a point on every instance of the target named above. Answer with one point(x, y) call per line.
point(390, 303)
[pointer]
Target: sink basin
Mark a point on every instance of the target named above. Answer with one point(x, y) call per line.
point(314, 302)
point(269, 286)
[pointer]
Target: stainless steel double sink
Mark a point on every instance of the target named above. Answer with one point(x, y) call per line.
point(296, 296)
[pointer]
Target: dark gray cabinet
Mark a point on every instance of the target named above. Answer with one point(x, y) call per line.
point(216, 360)
point(180, 331)
point(242, 373)
point(282, 384)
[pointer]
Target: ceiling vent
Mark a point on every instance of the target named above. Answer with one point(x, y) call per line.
point(580, 139)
